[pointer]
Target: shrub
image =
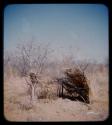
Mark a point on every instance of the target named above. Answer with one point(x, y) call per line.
point(75, 83)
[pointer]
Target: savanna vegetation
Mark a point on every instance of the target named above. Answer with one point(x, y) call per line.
point(38, 89)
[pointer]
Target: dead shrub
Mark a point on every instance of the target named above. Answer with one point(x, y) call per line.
point(76, 85)
point(48, 91)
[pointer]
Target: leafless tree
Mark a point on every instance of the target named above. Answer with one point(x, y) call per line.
point(32, 60)
point(33, 57)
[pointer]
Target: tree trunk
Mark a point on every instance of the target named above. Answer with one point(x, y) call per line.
point(33, 97)
point(62, 90)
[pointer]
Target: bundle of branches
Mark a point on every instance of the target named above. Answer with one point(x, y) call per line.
point(76, 77)
point(75, 83)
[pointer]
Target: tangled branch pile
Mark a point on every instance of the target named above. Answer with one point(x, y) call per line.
point(75, 84)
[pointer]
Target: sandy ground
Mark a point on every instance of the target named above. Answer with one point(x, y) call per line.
point(59, 110)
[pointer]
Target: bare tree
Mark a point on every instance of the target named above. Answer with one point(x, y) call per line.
point(33, 57)
point(32, 60)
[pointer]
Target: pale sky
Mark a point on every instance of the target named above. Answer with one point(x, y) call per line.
point(80, 29)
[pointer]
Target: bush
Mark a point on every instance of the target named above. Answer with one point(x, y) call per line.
point(44, 90)
point(75, 83)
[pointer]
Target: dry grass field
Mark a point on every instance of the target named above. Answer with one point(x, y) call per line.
point(49, 107)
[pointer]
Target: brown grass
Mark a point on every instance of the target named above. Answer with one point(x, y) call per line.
point(17, 105)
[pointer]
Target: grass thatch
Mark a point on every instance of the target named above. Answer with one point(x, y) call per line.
point(75, 84)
